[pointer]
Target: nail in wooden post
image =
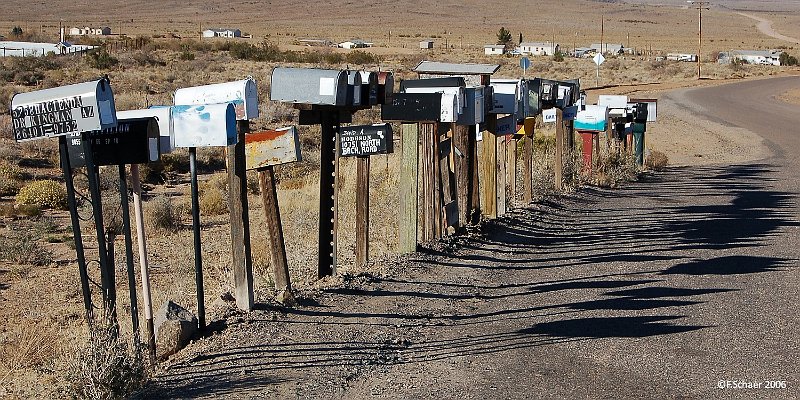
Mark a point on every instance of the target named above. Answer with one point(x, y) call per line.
point(240, 221)
point(143, 263)
point(409, 188)
point(362, 211)
point(280, 266)
point(559, 156)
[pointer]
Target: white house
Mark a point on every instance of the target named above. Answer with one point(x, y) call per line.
point(608, 48)
point(759, 57)
point(682, 57)
point(539, 48)
point(86, 31)
point(426, 44)
point(226, 33)
point(494, 49)
point(355, 44)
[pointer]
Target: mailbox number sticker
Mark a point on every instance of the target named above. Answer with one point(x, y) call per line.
point(326, 86)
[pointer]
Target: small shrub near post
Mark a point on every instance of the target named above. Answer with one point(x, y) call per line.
point(44, 194)
point(160, 215)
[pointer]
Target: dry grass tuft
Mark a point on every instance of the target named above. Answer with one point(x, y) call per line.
point(656, 161)
point(214, 195)
point(161, 215)
point(615, 169)
point(23, 247)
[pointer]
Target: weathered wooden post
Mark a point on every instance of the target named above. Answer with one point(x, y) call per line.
point(529, 126)
point(409, 188)
point(243, 95)
point(210, 125)
point(559, 154)
point(58, 112)
point(264, 150)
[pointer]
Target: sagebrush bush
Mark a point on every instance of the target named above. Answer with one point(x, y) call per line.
point(22, 247)
point(161, 215)
point(614, 169)
point(656, 160)
point(214, 195)
point(106, 367)
point(11, 176)
point(43, 194)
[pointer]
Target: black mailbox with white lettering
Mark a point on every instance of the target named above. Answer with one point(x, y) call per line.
point(133, 141)
point(365, 140)
point(413, 107)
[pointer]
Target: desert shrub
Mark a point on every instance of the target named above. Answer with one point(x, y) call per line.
point(786, 59)
point(106, 367)
point(9, 187)
point(253, 185)
point(175, 162)
point(11, 171)
point(101, 60)
point(210, 159)
point(615, 169)
point(22, 247)
point(333, 58)
point(44, 194)
point(542, 173)
point(162, 215)
point(186, 55)
point(656, 160)
point(28, 70)
point(146, 58)
point(214, 195)
point(362, 57)
point(19, 210)
point(558, 57)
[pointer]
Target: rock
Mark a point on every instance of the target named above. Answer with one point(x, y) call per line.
point(174, 326)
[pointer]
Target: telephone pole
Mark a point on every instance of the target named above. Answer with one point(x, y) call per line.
point(700, 6)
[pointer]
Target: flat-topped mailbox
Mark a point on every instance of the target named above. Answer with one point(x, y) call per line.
point(309, 86)
point(418, 107)
point(243, 94)
point(353, 88)
point(451, 90)
point(593, 118)
point(204, 125)
point(72, 109)
point(474, 108)
point(507, 96)
point(369, 88)
point(132, 141)
point(273, 147)
point(617, 105)
point(163, 116)
point(365, 140)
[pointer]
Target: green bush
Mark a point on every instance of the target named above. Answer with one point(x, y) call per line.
point(43, 194)
point(101, 60)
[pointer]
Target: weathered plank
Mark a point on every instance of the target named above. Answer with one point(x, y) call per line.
point(280, 267)
point(559, 156)
point(488, 173)
point(240, 220)
point(409, 188)
point(362, 211)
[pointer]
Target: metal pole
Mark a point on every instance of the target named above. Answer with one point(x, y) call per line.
point(76, 228)
point(126, 230)
point(143, 264)
point(198, 261)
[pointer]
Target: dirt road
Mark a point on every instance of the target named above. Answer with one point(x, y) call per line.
point(669, 288)
point(765, 26)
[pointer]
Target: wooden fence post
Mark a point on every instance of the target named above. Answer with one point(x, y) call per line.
point(511, 157)
point(559, 155)
point(500, 172)
point(488, 174)
point(409, 188)
point(240, 221)
point(143, 263)
point(527, 171)
point(462, 163)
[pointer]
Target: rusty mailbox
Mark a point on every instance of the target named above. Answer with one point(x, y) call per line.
point(309, 86)
point(72, 109)
point(204, 125)
point(273, 147)
point(132, 141)
point(242, 94)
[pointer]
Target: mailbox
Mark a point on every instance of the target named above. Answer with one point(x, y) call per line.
point(450, 108)
point(612, 101)
point(385, 87)
point(421, 107)
point(474, 109)
point(506, 97)
point(204, 125)
point(309, 86)
point(72, 109)
point(243, 94)
point(640, 112)
point(652, 108)
point(132, 141)
point(353, 88)
point(275, 147)
point(453, 81)
point(593, 118)
point(369, 88)
point(365, 140)
point(163, 116)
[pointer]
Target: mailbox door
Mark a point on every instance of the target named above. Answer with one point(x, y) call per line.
point(204, 125)
point(163, 116)
point(413, 107)
point(132, 141)
point(354, 88)
point(505, 97)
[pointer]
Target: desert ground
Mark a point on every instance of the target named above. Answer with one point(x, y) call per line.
point(41, 321)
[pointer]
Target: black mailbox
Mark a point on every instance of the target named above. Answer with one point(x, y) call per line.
point(454, 81)
point(640, 112)
point(133, 141)
point(417, 107)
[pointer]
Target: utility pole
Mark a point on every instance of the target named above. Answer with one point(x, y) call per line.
point(700, 6)
point(602, 32)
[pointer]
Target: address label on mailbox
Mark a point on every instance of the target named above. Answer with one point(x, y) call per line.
point(83, 107)
point(365, 140)
point(132, 141)
point(275, 147)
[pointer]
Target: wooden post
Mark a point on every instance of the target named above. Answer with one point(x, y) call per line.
point(527, 167)
point(449, 204)
point(240, 221)
point(488, 173)
point(438, 197)
point(327, 191)
point(463, 178)
point(126, 230)
point(500, 172)
point(280, 267)
point(427, 130)
point(475, 188)
point(409, 188)
point(362, 211)
point(559, 156)
point(143, 263)
point(511, 157)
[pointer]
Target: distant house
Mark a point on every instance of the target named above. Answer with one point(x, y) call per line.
point(581, 52)
point(682, 57)
point(758, 57)
point(539, 48)
point(315, 42)
point(608, 48)
point(494, 49)
point(226, 33)
point(355, 44)
point(426, 44)
point(87, 31)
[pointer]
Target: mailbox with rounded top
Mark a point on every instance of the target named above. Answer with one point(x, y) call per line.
point(243, 94)
point(353, 88)
point(385, 87)
point(594, 118)
point(369, 88)
point(163, 116)
point(72, 109)
point(204, 125)
point(309, 86)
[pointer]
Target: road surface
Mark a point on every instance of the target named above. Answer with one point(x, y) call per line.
point(669, 288)
point(765, 26)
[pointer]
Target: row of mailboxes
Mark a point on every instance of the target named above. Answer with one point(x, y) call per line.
point(527, 98)
point(331, 87)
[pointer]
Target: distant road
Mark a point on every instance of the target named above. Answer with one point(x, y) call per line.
point(765, 26)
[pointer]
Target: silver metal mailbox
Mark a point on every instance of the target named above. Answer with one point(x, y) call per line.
point(309, 86)
point(163, 115)
point(204, 125)
point(450, 108)
point(353, 88)
point(72, 109)
point(243, 94)
point(369, 88)
point(507, 96)
point(473, 113)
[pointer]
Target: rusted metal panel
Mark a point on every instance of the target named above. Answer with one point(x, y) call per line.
point(243, 94)
point(72, 109)
point(273, 147)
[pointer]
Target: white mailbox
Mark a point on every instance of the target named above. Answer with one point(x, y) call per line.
point(163, 115)
point(72, 109)
point(450, 108)
point(204, 125)
point(309, 86)
point(612, 101)
point(243, 94)
point(593, 118)
point(506, 96)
